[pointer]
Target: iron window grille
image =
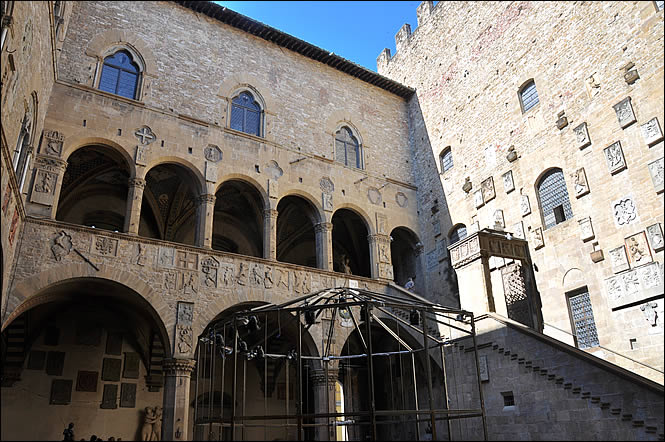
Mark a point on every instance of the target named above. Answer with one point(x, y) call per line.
point(458, 234)
point(529, 96)
point(347, 148)
point(554, 201)
point(446, 158)
point(582, 317)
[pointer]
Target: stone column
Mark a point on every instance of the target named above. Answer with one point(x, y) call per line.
point(175, 420)
point(205, 215)
point(324, 253)
point(380, 258)
point(134, 202)
point(46, 186)
point(270, 234)
point(324, 402)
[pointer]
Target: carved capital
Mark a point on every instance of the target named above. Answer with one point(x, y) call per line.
point(207, 199)
point(137, 182)
point(270, 213)
point(178, 367)
point(323, 227)
point(318, 377)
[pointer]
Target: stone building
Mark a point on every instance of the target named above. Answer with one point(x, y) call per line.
point(167, 165)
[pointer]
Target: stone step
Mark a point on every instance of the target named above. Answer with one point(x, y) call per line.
point(638, 423)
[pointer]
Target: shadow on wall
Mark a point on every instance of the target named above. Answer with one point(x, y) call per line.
point(438, 282)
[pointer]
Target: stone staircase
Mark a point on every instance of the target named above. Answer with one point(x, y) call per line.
point(617, 405)
point(14, 352)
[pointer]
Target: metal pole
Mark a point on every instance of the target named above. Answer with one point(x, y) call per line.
point(198, 384)
point(235, 379)
point(480, 388)
point(265, 373)
point(370, 368)
point(445, 389)
point(428, 367)
point(210, 359)
point(286, 428)
point(299, 407)
point(244, 394)
point(415, 392)
point(221, 404)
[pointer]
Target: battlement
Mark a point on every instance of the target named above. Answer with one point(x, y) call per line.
point(403, 35)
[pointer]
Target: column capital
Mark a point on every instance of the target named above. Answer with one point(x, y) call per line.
point(323, 227)
point(318, 376)
point(207, 198)
point(137, 182)
point(270, 213)
point(178, 367)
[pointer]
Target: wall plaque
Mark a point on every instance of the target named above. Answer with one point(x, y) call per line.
point(614, 157)
point(655, 235)
point(657, 174)
point(638, 249)
point(55, 362)
point(508, 183)
point(128, 395)
point(619, 259)
point(525, 206)
point(487, 187)
point(582, 136)
point(624, 111)
point(36, 360)
point(61, 392)
point(109, 397)
point(580, 183)
point(111, 369)
point(114, 343)
point(651, 132)
point(86, 380)
point(131, 370)
point(625, 212)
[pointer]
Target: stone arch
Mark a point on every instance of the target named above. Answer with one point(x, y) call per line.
point(371, 228)
point(29, 293)
point(80, 140)
point(340, 118)
point(247, 180)
point(455, 229)
point(405, 248)
point(316, 204)
point(536, 187)
point(244, 80)
point(190, 167)
point(104, 42)
point(573, 279)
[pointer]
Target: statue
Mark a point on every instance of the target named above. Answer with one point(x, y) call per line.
point(157, 425)
point(346, 267)
point(68, 433)
point(147, 430)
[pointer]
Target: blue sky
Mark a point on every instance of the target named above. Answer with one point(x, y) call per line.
point(355, 30)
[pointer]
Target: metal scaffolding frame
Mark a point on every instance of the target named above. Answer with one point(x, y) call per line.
point(224, 343)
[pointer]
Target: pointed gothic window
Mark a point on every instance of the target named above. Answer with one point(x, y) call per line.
point(528, 96)
point(246, 114)
point(347, 148)
point(120, 75)
point(553, 196)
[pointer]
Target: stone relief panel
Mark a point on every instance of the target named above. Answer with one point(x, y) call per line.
point(184, 336)
point(633, 286)
point(326, 184)
point(655, 235)
point(580, 183)
point(209, 270)
point(582, 136)
point(166, 257)
point(210, 172)
point(624, 111)
point(651, 132)
point(487, 187)
point(145, 135)
point(586, 229)
point(657, 174)
point(327, 201)
point(525, 206)
point(103, 246)
point(213, 153)
point(614, 158)
point(44, 186)
point(537, 238)
point(273, 188)
point(518, 230)
point(140, 156)
point(619, 259)
point(508, 183)
point(374, 195)
point(273, 170)
point(386, 271)
point(499, 222)
point(53, 141)
point(650, 310)
point(401, 200)
point(478, 198)
point(61, 245)
point(638, 249)
point(302, 282)
point(187, 260)
point(227, 275)
point(381, 222)
point(625, 211)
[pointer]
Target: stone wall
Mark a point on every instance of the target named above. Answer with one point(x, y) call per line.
point(467, 73)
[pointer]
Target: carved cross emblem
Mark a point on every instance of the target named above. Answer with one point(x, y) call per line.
point(145, 135)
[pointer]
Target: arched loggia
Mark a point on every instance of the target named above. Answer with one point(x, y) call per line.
point(94, 189)
point(296, 239)
point(405, 248)
point(350, 243)
point(238, 219)
point(169, 204)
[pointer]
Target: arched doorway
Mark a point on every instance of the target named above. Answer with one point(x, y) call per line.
point(349, 238)
point(296, 239)
point(405, 248)
point(94, 189)
point(88, 351)
point(238, 219)
point(170, 204)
